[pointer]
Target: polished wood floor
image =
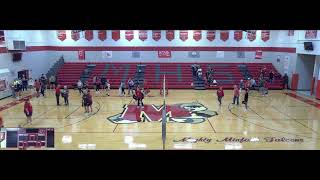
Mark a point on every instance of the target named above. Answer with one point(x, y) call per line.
point(276, 121)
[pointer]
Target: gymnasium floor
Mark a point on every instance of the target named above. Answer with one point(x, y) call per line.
point(276, 121)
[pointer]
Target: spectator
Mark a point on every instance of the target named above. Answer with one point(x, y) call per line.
point(199, 72)
point(236, 94)
point(43, 79)
point(253, 83)
point(103, 82)
point(215, 83)
point(286, 81)
point(241, 84)
point(271, 75)
point(98, 83)
point(24, 83)
point(43, 88)
point(79, 86)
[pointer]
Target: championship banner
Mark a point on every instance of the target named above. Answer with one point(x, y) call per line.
point(88, 35)
point(237, 35)
point(291, 33)
point(224, 35)
point(102, 35)
point(251, 35)
point(62, 35)
point(211, 35)
point(170, 35)
point(115, 35)
point(129, 35)
point(265, 35)
point(2, 39)
point(143, 35)
point(258, 54)
point(197, 35)
point(81, 54)
point(311, 34)
point(156, 35)
point(75, 35)
point(184, 35)
point(164, 54)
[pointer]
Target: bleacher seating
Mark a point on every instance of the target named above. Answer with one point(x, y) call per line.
point(178, 75)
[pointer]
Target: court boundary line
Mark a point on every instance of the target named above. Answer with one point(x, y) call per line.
point(267, 127)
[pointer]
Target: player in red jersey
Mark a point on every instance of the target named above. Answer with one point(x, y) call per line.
point(28, 110)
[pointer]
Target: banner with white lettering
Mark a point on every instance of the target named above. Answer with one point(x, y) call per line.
point(143, 35)
point(211, 35)
point(265, 35)
point(102, 35)
point(197, 35)
point(88, 35)
point(251, 35)
point(224, 35)
point(170, 35)
point(82, 54)
point(258, 54)
point(156, 35)
point(129, 35)
point(115, 35)
point(164, 54)
point(238, 35)
point(62, 35)
point(311, 34)
point(184, 35)
point(75, 35)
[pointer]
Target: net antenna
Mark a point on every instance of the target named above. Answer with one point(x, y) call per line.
point(164, 114)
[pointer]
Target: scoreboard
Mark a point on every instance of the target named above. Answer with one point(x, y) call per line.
point(24, 138)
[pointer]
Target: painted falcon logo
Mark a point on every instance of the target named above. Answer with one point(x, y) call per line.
point(182, 113)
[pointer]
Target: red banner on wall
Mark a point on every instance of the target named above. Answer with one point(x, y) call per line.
point(265, 35)
point(75, 35)
point(170, 35)
point(164, 54)
point(251, 35)
point(82, 54)
point(197, 35)
point(88, 35)
point(224, 35)
point(156, 35)
point(237, 35)
point(258, 54)
point(129, 35)
point(184, 35)
point(291, 33)
point(102, 35)
point(211, 35)
point(311, 34)
point(116, 35)
point(62, 35)
point(143, 35)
